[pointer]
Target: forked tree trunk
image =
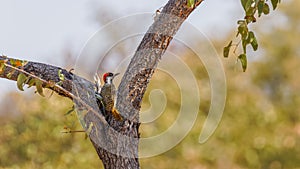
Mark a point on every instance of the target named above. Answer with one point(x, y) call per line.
point(137, 76)
point(116, 142)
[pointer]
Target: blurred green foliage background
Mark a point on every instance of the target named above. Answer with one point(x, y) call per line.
point(260, 127)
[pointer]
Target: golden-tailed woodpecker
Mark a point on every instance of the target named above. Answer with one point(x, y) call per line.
point(108, 95)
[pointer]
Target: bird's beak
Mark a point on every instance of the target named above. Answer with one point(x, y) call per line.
point(116, 74)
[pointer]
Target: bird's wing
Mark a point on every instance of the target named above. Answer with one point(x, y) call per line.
point(97, 81)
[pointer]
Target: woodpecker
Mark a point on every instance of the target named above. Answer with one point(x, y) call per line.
point(108, 93)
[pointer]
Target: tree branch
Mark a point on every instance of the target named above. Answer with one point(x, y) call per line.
point(72, 86)
point(110, 138)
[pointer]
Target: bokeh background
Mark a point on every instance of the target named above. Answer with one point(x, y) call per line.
point(260, 127)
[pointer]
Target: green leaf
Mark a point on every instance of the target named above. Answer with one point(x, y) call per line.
point(60, 75)
point(251, 11)
point(31, 82)
point(252, 40)
point(274, 3)
point(254, 44)
point(260, 7)
point(248, 5)
point(251, 36)
point(243, 2)
point(39, 87)
point(266, 9)
point(227, 49)
point(191, 3)
point(243, 59)
point(243, 30)
point(12, 62)
point(244, 44)
point(21, 81)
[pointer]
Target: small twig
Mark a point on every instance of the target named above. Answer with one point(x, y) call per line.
point(73, 131)
point(235, 47)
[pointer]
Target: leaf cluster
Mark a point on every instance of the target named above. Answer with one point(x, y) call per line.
point(23, 79)
point(253, 9)
point(191, 3)
point(14, 67)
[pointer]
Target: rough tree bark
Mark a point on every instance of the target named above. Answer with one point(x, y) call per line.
point(116, 142)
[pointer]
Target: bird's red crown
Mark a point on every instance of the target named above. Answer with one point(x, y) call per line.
point(105, 75)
